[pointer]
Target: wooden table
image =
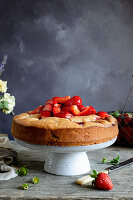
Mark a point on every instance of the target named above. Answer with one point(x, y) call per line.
point(61, 187)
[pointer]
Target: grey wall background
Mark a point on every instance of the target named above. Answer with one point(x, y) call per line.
point(67, 47)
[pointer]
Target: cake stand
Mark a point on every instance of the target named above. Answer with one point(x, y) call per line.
point(67, 161)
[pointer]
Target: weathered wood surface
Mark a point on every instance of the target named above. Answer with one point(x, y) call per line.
point(61, 187)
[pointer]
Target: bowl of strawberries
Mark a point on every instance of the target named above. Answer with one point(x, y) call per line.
point(125, 123)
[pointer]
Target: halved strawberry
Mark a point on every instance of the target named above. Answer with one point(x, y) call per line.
point(56, 110)
point(37, 110)
point(81, 107)
point(61, 99)
point(51, 101)
point(76, 100)
point(75, 110)
point(102, 114)
point(89, 110)
point(66, 108)
point(48, 107)
point(45, 114)
point(57, 105)
point(64, 114)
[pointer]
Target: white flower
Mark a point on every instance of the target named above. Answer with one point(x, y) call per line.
point(3, 86)
point(11, 102)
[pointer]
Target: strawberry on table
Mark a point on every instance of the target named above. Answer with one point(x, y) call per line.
point(75, 110)
point(102, 181)
point(61, 99)
point(45, 114)
point(89, 110)
point(37, 110)
point(76, 100)
point(102, 114)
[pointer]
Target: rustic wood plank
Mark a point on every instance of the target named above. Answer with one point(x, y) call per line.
point(61, 187)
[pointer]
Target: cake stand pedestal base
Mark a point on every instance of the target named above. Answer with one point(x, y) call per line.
point(67, 164)
point(67, 161)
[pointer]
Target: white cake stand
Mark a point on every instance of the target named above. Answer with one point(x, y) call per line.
point(67, 161)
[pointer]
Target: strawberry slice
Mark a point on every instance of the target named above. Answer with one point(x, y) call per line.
point(76, 100)
point(51, 101)
point(89, 110)
point(81, 107)
point(37, 110)
point(48, 107)
point(64, 114)
point(75, 110)
point(45, 113)
point(56, 110)
point(57, 105)
point(102, 114)
point(61, 99)
point(66, 108)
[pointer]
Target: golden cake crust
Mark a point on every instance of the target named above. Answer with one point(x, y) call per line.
point(54, 131)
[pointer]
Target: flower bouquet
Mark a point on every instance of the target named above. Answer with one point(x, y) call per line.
point(7, 102)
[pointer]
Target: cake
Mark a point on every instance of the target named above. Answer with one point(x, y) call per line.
point(64, 121)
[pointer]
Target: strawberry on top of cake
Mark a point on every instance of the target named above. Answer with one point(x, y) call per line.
point(66, 107)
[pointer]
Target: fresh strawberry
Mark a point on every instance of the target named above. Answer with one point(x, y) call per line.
point(64, 114)
point(129, 115)
point(48, 107)
point(66, 108)
point(127, 133)
point(119, 119)
point(45, 114)
point(75, 110)
point(76, 100)
point(37, 110)
point(51, 101)
point(61, 99)
point(57, 105)
point(89, 110)
point(56, 110)
point(102, 181)
point(81, 107)
point(127, 120)
point(102, 114)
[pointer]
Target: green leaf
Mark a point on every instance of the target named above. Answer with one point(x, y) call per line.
point(35, 180)
point(117, 113)
point(94, 175)
point(25, 186)
point(22, 171)
point(104, 160)
point(115, 161)
point(4, 105)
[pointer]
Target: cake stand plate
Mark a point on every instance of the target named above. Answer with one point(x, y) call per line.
point(67, 161)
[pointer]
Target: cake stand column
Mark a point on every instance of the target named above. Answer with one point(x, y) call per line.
point(68, 164)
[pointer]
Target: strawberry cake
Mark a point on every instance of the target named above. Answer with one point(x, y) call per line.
point(64, 121)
